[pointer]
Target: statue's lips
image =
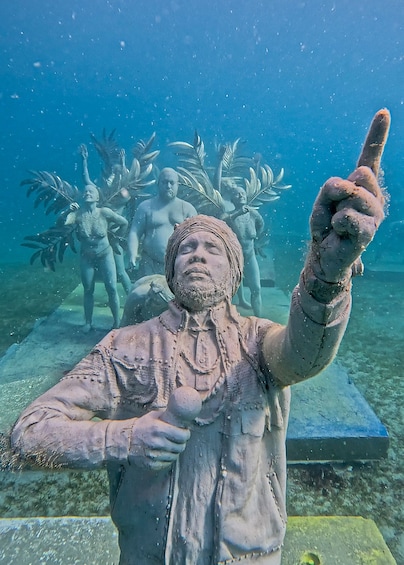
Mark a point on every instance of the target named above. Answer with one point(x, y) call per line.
point(197, 272)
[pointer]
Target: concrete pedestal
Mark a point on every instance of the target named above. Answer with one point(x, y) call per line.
point(93, 541)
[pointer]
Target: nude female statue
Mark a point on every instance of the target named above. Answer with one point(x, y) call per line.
point(96, 254)
point(117, 204)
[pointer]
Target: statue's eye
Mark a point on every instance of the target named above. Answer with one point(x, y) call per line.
point(187, 248)
point(214, 249)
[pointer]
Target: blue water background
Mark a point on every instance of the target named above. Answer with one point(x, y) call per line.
point(298, 81)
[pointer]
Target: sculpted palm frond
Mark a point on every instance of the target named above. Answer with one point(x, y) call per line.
point(54, 193)
point(108, 149)
point(142, 153)
point(234, 165)
point(51, 245)
point(199, 190)
point(262, 186)
point(267, 188)
point(277, 181)
point(209, 202)
point(192, 158)
point(138, 177)
point(142, 165)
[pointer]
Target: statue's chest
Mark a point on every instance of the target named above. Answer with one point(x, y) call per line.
point(166, 217)
point(245, 227)
point(92, 225)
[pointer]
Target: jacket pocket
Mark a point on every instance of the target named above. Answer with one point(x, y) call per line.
point(253, 421)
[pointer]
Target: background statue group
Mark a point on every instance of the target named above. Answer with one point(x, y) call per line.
point(123, 231)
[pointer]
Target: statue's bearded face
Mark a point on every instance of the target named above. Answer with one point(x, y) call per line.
point(202, 272)
point(168, 184)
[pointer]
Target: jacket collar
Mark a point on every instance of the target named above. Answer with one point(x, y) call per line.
point(177, 318)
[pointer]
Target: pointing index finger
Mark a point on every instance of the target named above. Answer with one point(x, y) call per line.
point(375, 141)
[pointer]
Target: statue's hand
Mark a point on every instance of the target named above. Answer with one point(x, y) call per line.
point(133, 263)
point(83, 151)
point(155, 444)
point(221, 151)
point(74, 206)
point(347, 213)
point(345, 217)
point(122, 157)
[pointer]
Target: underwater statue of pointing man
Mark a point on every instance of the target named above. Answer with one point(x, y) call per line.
point(188, 411)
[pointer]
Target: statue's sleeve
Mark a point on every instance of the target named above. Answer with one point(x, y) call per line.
point(71, 424)
point(310, 340)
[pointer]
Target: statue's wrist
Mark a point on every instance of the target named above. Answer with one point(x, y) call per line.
point(321, 290)
point(328, 270)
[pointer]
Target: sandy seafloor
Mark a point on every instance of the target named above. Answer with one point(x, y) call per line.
point(372, 351)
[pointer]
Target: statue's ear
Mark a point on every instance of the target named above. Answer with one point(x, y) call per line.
point(176, 226)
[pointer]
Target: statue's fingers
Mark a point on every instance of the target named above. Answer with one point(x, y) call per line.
point(334, 190)
point(358, 227)
point(375, 141)
point(360, 194)
point(158, 461)
point(320, 221)
point(363, 176)
point(365, 203)
point(333, 193)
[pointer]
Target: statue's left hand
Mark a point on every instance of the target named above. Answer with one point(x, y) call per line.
point(83, 151)
point(345, 217)
point(347, 213)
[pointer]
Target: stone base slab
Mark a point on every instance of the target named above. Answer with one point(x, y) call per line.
point(330, 540)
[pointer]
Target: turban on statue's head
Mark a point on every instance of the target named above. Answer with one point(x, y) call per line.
point(219, 229)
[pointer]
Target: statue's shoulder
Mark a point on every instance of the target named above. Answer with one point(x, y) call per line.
point(254, 325)
point(187, 207)
point(130, 336)
point(107, 212)
point(147, 205)
point(255, 213)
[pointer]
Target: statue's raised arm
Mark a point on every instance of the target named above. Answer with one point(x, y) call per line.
point(345, 217)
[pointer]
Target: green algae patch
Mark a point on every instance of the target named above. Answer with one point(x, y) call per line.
point(334, 540)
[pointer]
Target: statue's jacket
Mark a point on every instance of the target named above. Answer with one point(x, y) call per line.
point(224, 499)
